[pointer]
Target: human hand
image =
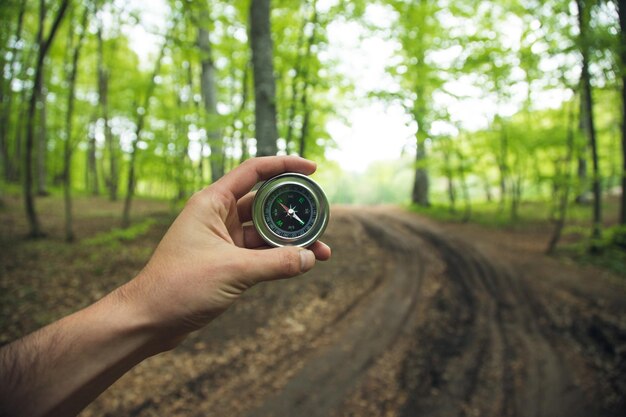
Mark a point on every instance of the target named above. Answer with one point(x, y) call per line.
point(210, 256)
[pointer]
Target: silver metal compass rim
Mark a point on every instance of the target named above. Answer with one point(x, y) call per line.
point(319, 226)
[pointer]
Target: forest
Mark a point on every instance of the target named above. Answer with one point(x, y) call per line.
point(82, 111)
point(491, 141)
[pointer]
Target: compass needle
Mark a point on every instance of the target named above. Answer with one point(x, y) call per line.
point(304, 208)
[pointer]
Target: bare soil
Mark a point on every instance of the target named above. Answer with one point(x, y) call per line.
point(409, 318)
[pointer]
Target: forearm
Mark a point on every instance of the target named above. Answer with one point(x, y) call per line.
point(61, 368)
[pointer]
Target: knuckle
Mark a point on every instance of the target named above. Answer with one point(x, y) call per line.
point(208, 198)
point(200, 198)
point(248, 162)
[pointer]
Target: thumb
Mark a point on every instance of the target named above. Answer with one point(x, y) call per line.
point(279, 263)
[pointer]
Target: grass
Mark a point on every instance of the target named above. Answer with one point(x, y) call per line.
point(576, 243)
point(116, 236)
point(531, 212)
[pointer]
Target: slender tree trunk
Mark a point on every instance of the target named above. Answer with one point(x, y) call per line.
point(622, 53)
point(565, 186)
point(421, 183)
point(29, 201)
point(264, 83)
point(295, 86)
point(208, 89)
point(139, 124)
point(503, 166)
point(68, 145)
point(112, 180)
point(583, 20)
point(583, 150)
point(7, 101)
point(20, 130)
point(42, 143)
point(517, 184)
point(93, 183)
point(306, 84)
point(467, 213)
point(304, 133)
point(450, 180)
point(242, 108)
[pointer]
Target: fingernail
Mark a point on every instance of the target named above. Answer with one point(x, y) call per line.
point(307, 260)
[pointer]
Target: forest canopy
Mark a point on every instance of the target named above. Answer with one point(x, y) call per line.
point(498, 101)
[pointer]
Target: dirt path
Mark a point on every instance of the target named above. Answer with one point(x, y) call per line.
point(410, 318)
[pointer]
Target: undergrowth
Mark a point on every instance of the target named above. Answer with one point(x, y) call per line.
point(118, 235)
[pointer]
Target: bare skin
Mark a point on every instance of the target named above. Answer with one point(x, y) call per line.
point(205, 261)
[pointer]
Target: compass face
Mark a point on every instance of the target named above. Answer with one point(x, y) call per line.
point(290, 210)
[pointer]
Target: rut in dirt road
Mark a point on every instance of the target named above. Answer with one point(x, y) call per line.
point(502, 364)
point(322, 384)
point(410, 318)
point(493, 352)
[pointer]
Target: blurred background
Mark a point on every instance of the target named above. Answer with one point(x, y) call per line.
point(499, 121)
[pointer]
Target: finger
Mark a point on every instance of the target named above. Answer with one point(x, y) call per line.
point(277, 263)
point(252, 239)
point(321, 250)
point(240, 180)
point(244, 207)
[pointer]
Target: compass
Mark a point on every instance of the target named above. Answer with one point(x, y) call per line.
point(290, 210)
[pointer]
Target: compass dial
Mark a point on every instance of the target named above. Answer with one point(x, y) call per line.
point(290, 209)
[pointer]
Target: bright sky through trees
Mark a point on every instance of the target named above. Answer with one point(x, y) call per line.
point(363, 56)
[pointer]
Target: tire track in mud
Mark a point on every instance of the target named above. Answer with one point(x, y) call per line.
point(507, 363)
point(322, 384)
point(503, 366)
point(497, 358)
point(487, 342)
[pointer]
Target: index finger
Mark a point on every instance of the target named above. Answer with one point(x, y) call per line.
point(240, 180)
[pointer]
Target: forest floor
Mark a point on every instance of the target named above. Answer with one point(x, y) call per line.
point(410, 317)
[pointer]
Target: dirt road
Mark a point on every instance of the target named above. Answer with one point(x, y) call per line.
point(410, 318)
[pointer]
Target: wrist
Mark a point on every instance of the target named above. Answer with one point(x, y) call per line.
point(140, 321)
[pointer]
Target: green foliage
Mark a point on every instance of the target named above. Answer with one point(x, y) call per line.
point(117, 236)
point(608, 252)
point(447, 57)
point(618, 237)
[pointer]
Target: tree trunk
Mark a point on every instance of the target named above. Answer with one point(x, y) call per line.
point(208, 89)
point(565, 186)
point(20, 130)
point(421, 183)
point(304, 133)
point(112, 180)
point(583, 150)
point(300, 81)
point(306, 84)
point(42, 144)
point(68, 145)
point(29, 201)
point(264, 83)
point(139, 124)
point(503, 166)
point(7, 102)
point(622, 53)
point(242, 108)
point(583, 20)
point(517, 184)
point(93, 184)
point(467, 213)
point(450, 180)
